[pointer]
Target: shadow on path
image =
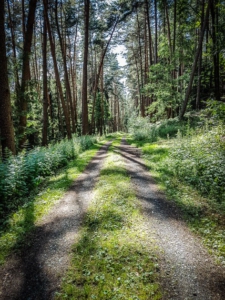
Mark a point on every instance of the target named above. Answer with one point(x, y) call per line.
point(187, 270)
point(36, 272)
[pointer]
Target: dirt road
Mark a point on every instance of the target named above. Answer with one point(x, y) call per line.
point(187, 271)
point(36, 273)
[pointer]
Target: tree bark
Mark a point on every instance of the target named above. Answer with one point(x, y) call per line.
point(149, 32)
point(45, 88)
point(85, 127)
point(214, 15)
point(184, 105)
point(17, 84)
point(6, 124)
point(156, 33)
point(63, 50)
point(141, 68)
point(174, 25)
point(26, 71)
point(198, 101)
point(99, 71)
point(58, 82)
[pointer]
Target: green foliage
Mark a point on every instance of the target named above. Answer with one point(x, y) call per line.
point(113, 258)
point(165, 88)
point(141, 129)
point(16, 224)
point(191, 170)
point(21, 173)
point(216, 109)
point(200, 161)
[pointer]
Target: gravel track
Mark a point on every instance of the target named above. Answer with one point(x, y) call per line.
point(36, 272)
point(187, 270)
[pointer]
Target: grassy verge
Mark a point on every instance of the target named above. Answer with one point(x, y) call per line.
point(204, 215)
point(113, 258)
point(14, 229)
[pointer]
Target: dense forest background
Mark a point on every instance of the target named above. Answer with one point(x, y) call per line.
point(60, 72)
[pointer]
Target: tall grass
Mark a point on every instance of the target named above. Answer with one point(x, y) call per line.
point(18, 174)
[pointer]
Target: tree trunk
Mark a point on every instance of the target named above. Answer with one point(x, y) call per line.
point(198, 103)
point(184, 105)
point(99, 71)
point(63, 50)
point(174, 25)
point(85, 127)
point(26, 71)
point(168, 29)
point(102, 102)
point(214, 14)
point(58, 81)
point(149, 32)
point(141, 68)
point(17, 84)
point(6, 124)
point(45, 88)
point(156, 33)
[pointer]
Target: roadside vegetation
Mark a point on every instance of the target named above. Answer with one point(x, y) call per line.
point(113, 259)
point(31, 183)
point(188, 160)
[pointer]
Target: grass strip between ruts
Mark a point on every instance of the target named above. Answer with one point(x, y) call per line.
point(22, 221)
point(113, 258)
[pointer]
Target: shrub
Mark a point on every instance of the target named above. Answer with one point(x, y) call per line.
point(18, 174)
point(199, 159)
point(141, 129)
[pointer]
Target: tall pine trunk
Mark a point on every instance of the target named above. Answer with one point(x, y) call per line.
point(198, 51)
point(26, 71)
point(45, 88)
point(67, 82)
point(216, 64)
point(6, 124)
point(85, 127)
point(58, 82)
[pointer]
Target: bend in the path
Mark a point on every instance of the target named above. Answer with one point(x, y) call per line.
point(187, 270)
point(37, 272)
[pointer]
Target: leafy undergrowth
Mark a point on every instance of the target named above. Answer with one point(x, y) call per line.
point(21, 173)
point(113, 258)
point(15, 227)
point(142, 130)
point(190, 170)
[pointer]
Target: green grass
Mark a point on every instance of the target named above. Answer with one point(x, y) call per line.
point(17, 225)
point(204, 215)
point(113, 258)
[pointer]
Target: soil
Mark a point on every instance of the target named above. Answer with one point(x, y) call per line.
point(187, 271)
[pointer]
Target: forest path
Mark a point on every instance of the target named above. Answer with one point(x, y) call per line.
point(37, 271)
point(187, 270)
